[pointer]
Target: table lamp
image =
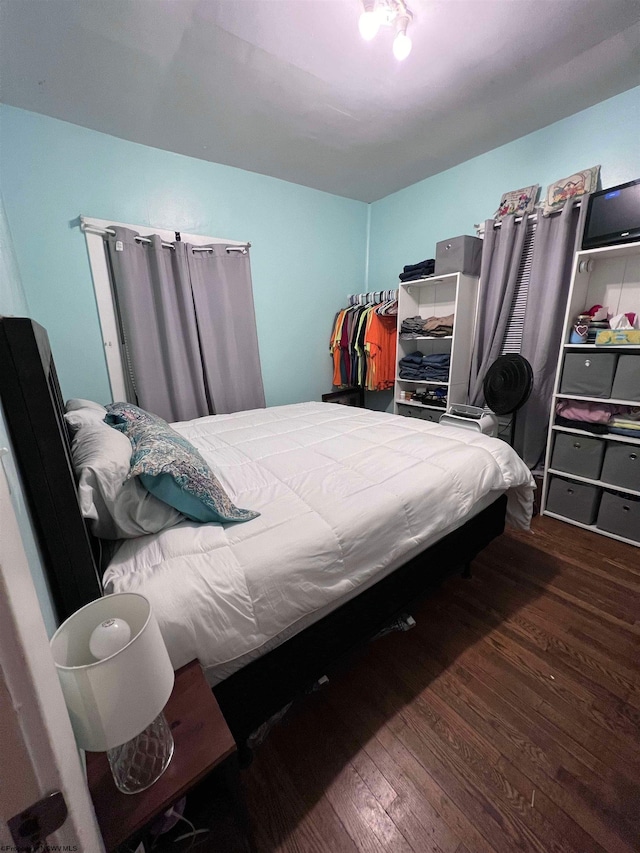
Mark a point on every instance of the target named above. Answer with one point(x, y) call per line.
point(116, 678)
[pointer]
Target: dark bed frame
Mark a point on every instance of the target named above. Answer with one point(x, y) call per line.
point(33, 409)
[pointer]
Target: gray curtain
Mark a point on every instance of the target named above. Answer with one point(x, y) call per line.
point(223, 298)
point(557, 239)
point(154, 304)
point(189, 339)
point(501, 256)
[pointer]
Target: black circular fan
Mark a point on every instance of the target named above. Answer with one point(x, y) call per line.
point(507, 385)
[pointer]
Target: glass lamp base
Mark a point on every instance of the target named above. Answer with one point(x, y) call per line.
point(139, 762)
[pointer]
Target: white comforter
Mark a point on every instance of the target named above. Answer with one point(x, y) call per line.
point(344, 494)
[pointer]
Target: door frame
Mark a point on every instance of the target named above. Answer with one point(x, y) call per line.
point(38, 749)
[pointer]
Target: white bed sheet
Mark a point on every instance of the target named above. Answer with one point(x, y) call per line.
point(345, 495)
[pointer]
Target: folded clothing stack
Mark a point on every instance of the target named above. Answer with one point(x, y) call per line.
point(599, 418)
point(429, 368)
point(626, 423)
point(412, 327)
point(423, 269)
point(439, 327)
point(434, 327)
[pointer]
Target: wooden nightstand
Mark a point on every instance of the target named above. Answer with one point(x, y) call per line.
point(203, 742)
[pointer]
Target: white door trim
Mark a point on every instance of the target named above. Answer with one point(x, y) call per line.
point(35, 723)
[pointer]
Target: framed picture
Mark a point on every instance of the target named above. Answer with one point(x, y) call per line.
point(574, 186)
point(346, 397)
point(518, 202)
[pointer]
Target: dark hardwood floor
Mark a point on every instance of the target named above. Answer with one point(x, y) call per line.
point(506, 720)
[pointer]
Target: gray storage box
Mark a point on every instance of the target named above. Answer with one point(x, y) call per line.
point(626, 385)
point(620, 514)
point(622, 465)
point(588, 374)
point(459, 254)
point(578, 501)
point(576, 454)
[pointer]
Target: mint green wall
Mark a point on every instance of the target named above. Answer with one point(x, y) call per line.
point(13, 302)
point(308, 246)
point(406, 226)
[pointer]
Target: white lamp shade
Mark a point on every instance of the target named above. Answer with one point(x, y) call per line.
point(110, 701)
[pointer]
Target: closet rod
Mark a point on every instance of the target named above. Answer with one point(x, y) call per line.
point(104, 231)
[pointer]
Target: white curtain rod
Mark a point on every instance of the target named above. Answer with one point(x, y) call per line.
point(93, 229)
point(531, 217)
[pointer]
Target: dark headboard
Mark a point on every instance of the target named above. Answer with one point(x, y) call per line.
point(33, 410)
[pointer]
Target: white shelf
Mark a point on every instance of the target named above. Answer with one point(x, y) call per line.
point(607, 436)
point(427, 338)
point(421, 381)
point(600, 483)
point(432, 279)
point(614, 401)
point(442, 409)
point(591, 527)
point(621, 251)
point(612, 280)
point(603, 347)
point(439, 296)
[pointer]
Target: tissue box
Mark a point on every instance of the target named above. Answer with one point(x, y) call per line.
point(618, 337)
point(459, 254)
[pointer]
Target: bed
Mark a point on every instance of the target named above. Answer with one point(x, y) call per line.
point(361, 512)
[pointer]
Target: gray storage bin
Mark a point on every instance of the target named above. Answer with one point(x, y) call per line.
point(576, 454)
point(622, 465)
point(588, 374)
point(626, 384)
point(620, 514)
point(578, 501)
point(459, 254)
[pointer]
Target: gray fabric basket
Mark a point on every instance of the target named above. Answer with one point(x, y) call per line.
point(626, 385)
point(459, 254)
point(622, 465)
point(578, 501)
point(576, 454)
point(588, 374)
point(620, 514)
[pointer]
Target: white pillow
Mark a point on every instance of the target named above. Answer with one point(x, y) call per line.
point(79, 413)
point(115, 507)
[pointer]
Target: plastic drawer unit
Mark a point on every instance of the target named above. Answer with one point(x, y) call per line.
point(576, 454)
point(588, 374)
point(620, 514)
point(622, 465)
point(578, 501)
point(626, 384)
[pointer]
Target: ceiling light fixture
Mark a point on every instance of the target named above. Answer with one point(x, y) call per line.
point(388, 13)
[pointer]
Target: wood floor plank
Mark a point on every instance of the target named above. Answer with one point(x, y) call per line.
point(524, 763)
point(551, 637)
point(507, 720)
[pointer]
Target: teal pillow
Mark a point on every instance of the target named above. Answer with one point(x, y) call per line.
point(171, 468)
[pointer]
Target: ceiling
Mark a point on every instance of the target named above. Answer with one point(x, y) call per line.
point(288, 88)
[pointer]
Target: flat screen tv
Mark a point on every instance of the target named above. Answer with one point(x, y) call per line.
point(613, 216)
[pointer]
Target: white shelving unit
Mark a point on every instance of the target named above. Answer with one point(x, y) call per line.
point(613, 281)
point(438, 296)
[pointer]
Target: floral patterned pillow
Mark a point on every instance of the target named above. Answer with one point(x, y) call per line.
point(171, 468)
